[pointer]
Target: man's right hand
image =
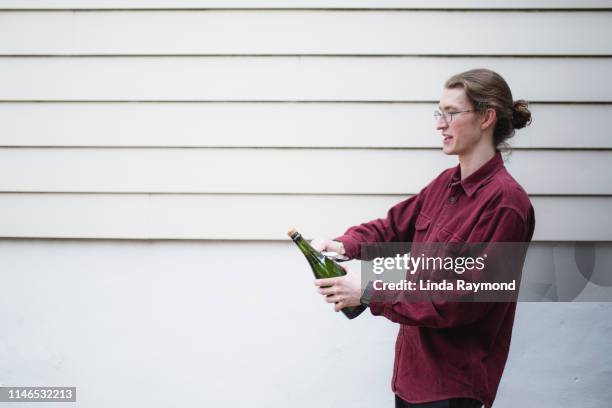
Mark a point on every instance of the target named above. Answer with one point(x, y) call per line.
point(327, 245)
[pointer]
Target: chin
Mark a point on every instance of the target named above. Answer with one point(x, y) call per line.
point(449, 151)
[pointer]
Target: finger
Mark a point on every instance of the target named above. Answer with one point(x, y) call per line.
point(326, 281)
point(332, 290)
point(320, 244)
point(339, 306)
point(317, 245)
point(332, 299)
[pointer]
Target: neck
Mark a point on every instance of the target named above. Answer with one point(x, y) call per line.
point(473, 160)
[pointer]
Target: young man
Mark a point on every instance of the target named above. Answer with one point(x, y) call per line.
point(450, 354)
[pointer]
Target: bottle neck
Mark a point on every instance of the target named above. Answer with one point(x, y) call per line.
point(306, 248)
point(301, 242)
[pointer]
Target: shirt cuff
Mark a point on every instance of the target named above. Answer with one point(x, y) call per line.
point(377, 302)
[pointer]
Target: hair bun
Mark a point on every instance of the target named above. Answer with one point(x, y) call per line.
point(521, 116)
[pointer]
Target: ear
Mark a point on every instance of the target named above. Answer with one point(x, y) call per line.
point(488, 119)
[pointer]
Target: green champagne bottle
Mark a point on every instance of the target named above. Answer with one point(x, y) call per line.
point(323, 267)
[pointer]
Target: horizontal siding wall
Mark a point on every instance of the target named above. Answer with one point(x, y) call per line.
point(292, 78)
point(252, 124)
point(307, 4)
point(251, 217)
point(363, 171)
point(305, 32)
point(224, 120)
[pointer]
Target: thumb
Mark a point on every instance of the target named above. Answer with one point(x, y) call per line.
point(320, 244)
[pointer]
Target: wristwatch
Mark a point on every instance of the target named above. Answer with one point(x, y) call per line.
point(367, 294)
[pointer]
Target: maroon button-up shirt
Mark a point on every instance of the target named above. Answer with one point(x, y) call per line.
point(451, 350)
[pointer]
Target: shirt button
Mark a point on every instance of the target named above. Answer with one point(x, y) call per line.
point(452, 200)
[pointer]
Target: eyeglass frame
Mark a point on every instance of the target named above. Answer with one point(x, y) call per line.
point(439, 115)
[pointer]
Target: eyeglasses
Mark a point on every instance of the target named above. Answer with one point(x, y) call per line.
point(448, 116)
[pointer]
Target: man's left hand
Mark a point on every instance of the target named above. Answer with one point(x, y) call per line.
point(344, 291)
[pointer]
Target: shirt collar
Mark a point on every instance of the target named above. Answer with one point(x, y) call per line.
point(480, 177)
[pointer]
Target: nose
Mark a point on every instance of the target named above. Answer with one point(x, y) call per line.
point(441, 123)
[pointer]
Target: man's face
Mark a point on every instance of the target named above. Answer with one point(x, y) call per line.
point(461, 133)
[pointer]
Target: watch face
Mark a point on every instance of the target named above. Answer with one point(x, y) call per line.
point(365, 296)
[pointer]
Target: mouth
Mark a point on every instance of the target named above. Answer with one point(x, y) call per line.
point(447, 139)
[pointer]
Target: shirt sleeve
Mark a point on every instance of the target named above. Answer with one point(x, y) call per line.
point(398, 226)
point(506, 225)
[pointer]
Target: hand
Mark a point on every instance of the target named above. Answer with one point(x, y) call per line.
point(344, 291)
point(327, 245)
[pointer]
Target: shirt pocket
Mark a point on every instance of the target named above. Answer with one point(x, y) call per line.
point(421, 227)
point(444, 235)
point(447, 236)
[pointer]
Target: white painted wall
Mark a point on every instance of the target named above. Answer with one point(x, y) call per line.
point(184, 324)
point(153, 154)
point(163, 323)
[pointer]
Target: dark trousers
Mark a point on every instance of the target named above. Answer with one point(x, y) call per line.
point(450, 403)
